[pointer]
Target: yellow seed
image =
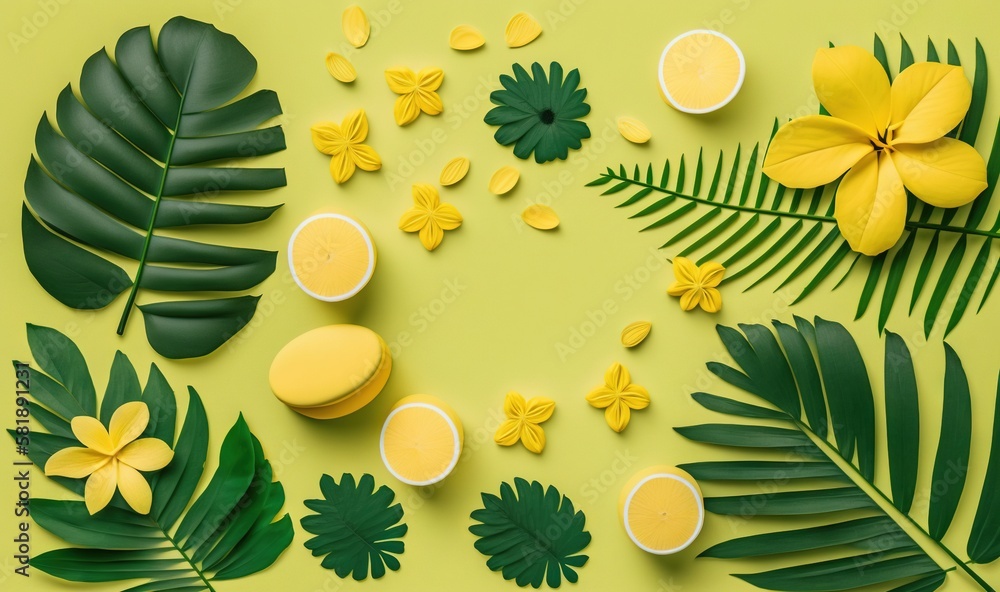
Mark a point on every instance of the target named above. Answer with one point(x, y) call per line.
point(635, 333)
point(340, 67)
point(466, 38)
point(522, 29)
point(454, 171)
point(356, 25)
point(540, 217)
point(504, 180)
point(633, 130)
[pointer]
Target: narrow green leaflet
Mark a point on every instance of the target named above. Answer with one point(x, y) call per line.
point(806, 479)
point(231, 529)
point(531, 534)
point(357, 528)
point(147, 146)
point(750, 224)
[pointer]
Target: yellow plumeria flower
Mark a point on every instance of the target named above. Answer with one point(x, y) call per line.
point(522, 421)
point(112, 459)
point(429, 216)
point(618, 396)
point(697, 285)
point(887, 138)
point(344, 143)
point(416, 92)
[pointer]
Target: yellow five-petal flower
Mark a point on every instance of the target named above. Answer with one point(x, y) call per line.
point(618, 396)
point(344, 143)
point(888, 138)
point(522, 421)
point(429, 216)
point(417, 92)
point(697, 285)
point(112, 459)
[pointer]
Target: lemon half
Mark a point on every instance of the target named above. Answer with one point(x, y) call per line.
point(662, 510)
point(331, 256)
point(421, 440)
point(701, 71)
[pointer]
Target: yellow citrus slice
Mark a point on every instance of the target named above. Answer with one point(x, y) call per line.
point(421, 440)
point(662, 510)
point(701, 71)
point(331, 256)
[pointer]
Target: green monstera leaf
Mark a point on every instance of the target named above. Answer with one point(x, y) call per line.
point(145, 147)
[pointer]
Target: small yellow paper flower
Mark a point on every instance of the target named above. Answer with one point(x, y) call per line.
point(697, 285)
point(344, 143)
point(112, 460)
point(416, 92)
point(887, 138)
point(429, 216)
point(618, 396)
point(522, 421)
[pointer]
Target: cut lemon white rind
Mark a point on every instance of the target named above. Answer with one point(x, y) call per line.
point(456, 435)
point(673, 101)
point(692, 488)
point(365, 278)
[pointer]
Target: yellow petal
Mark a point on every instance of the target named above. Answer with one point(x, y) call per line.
point(431, 235)
point(711, 300)
point(75, 462)
point(430, 79)
point(355, 126)
point(635, 396)
point(134, 489)
point(413, 220)
point(447, 216)
point(365, 157)
point(128, 422)
point(928, 101)
point(340, 67)
point(327, 138)
point(91, 433)
point(100, 487)
point(356, 26)
point(342, 167)
point(401, 80)
point(425, 196)
point(633, 130)
point(146, 454)
point(617, 416)
point(870, 205)
point(814, 150)
point(503, 180)
point(508, 433)
point(522, 29)
point(680, 288)
point(617, 377)
point(406, 109)
point(514, 405)
point(601, 397)
point(947, 173)
point(465, 38)
point(635, 333)
point(533, 437)
point(539, 409)
point(690, 299)
point(540, 216)
point(711, 274)
point(429, 101)
point(685, 271)
point(852, 85)
point(454, 171)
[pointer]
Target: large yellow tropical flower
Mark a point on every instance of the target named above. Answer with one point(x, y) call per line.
point(887, 138)
point(345, 144)
point(618, 396)
point(523, 419)
point(112, 459)
point(429, 216)
point(697, 285)
point(417, 92)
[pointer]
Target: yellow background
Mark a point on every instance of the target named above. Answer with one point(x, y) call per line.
point(521, 292)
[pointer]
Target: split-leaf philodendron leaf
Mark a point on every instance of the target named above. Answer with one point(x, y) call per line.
point(147, 146)
point(185, 542)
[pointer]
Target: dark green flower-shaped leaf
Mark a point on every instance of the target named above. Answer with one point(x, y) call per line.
point(533, 536)
point(538, 114)
point(355, 526)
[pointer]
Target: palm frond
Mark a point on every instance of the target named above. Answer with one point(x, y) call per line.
point(821, 406)
point(763, 230)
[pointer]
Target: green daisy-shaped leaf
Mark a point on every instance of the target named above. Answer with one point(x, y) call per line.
point(539, 114)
